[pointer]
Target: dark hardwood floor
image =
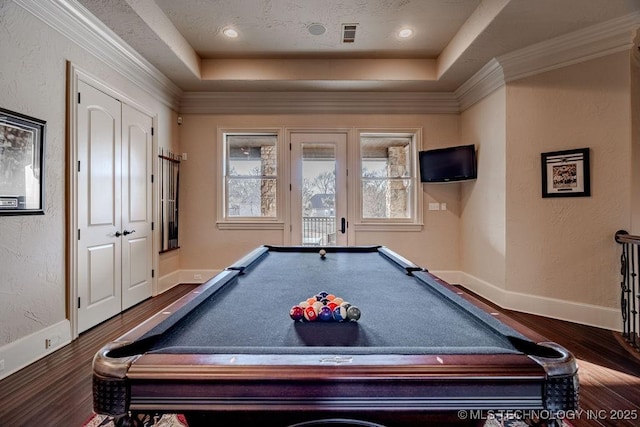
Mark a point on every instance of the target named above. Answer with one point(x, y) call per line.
point(56, 390)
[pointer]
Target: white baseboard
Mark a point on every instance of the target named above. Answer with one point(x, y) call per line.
point(26, 350)
point(585, 314)
point(178, 277)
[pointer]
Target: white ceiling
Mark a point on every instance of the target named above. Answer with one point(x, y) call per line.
point(275, 51)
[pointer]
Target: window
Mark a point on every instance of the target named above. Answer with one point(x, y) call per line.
point(389, 188)
point(250, 177)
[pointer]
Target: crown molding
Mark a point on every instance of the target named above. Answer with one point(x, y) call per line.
point(615, 35)
point(73, 21)
point(489, 78)
point(319, 103)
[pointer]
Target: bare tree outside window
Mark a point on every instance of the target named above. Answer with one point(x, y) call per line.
point(386, 176)
point(251, 175)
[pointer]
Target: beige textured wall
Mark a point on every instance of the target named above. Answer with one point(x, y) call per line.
point(32, 248)
point(204, 246)
point(563, 247)
point(483, 218)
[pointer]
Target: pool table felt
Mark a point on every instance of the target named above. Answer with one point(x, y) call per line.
point(401, 314)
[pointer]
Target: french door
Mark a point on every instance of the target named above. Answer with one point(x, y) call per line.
point(318, 189)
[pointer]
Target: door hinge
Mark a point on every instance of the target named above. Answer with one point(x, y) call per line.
point(152, 178)
point(78, 165)
point(153, 273)
point(78, 97)
point(290, 147)
point(78, 234)
point(152, 225)
point(78, 302)
point(151, 131)
point(290, 188)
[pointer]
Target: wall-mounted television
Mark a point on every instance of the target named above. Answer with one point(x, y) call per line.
point(448, 164)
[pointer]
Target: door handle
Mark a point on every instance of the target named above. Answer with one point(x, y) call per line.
point(343, 225)
point(126, 232)
point(118, 234)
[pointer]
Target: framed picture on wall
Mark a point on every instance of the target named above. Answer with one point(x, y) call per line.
point(21, 164)
point(566, 173)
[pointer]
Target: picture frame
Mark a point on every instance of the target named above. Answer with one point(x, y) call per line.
point(22, 140)
point(566, 173)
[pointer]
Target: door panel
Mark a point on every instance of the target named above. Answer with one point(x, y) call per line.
point(318, 189)
point(98, 206)
point(102, 173)
point(137, 144)
point(102, 280)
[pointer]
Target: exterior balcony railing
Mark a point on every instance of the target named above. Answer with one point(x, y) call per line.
point(318, 231)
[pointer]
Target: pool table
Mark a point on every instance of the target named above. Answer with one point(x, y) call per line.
point(421, 350)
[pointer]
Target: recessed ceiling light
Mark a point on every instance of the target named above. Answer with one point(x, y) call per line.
point(405, 33)
point(316, 29)
point(230, 32)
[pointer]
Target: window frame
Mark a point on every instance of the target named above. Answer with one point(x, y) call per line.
point(414, 221)
point(225, 222)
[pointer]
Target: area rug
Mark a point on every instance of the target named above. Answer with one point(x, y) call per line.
point(142, 420)
point(177, 420)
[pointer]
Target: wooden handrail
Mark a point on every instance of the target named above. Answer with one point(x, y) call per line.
point(622, 236)
point(629, 286)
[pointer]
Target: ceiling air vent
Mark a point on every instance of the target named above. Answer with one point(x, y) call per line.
point(349, 33)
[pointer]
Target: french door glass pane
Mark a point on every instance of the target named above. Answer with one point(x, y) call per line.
point(318, 194)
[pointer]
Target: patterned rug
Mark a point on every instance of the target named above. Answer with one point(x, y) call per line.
point(143, 420)
point(173, 420)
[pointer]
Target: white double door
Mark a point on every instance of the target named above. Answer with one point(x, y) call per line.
point(319, 189)
point(114, 206)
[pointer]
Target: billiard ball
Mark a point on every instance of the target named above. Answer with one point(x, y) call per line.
point(323, 253)
point(310, 314)
point(332, 305)
point(346, 305)
point(339, 314)
point(322, 295)
point(353, 313)
point(316, 306)
point(337, 300)
point(296, 312)
point(303, 304)
point(310, 301)
point(325, 314)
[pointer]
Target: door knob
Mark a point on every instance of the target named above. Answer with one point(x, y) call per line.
point(126, 232)
point(118, 234)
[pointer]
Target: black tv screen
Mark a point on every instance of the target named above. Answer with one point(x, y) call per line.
point(448, 164)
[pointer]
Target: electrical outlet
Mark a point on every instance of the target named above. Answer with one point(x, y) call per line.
point(443, 206)
point(51, 341)
point(1, 365)
point(197, 276)
point(434, 206)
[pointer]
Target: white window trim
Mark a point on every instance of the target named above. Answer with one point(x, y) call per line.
point(250, 223)
point(392, 224)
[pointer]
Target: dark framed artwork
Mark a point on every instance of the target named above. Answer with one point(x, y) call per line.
point(21, 164)
point(566, 173)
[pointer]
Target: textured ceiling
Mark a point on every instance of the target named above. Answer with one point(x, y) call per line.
point(275, 51)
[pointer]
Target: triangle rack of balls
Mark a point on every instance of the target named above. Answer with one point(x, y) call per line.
point(325, 307)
